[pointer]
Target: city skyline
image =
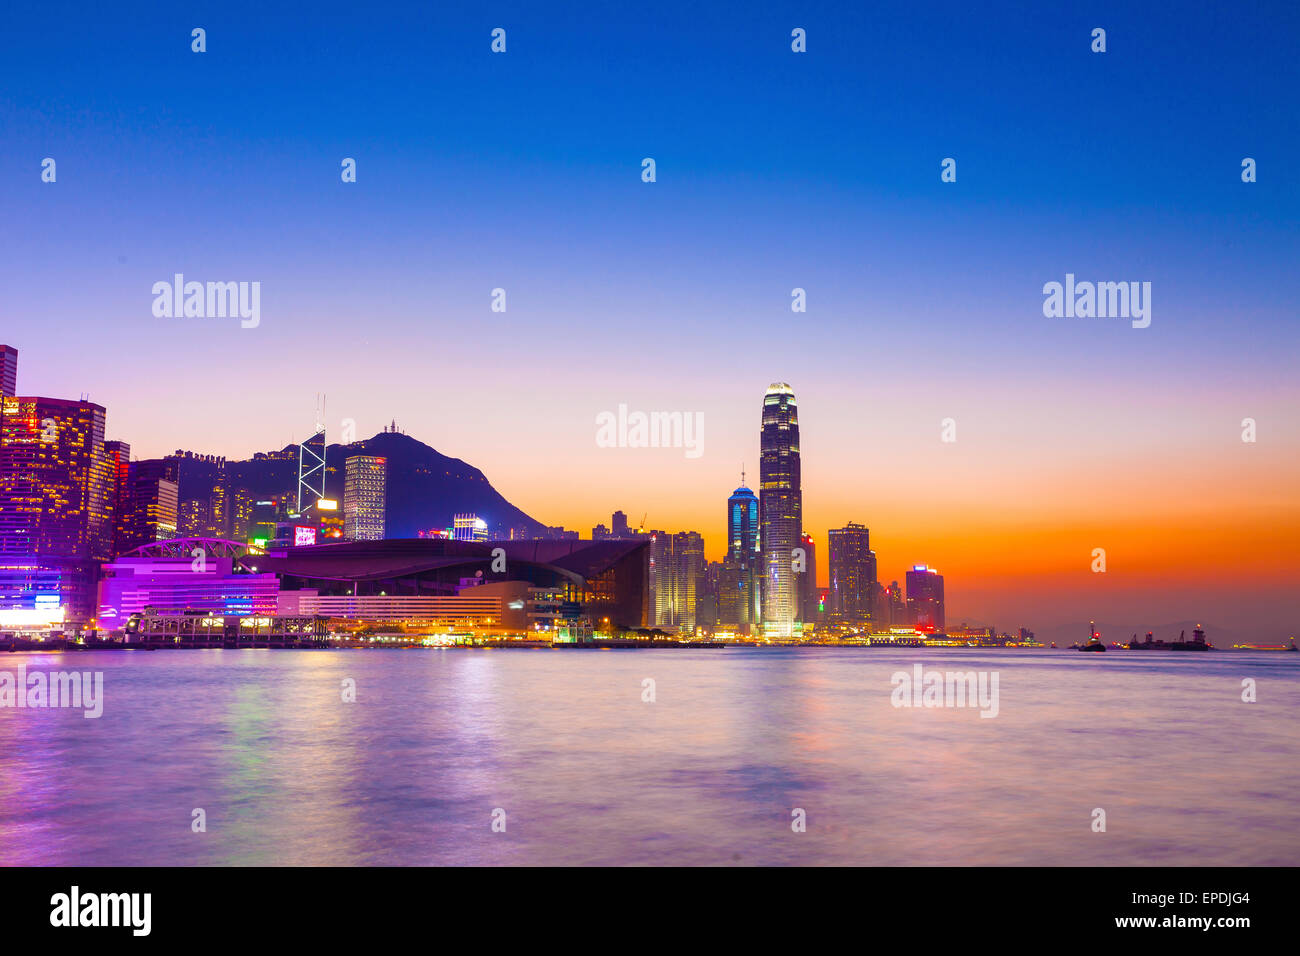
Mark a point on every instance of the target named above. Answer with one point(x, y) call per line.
point(1012, 611)
point(924, 298)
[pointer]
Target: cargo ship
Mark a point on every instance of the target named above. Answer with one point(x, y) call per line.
point(1266, 647)
point(1197, 643)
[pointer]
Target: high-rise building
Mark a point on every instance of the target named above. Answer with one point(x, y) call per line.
point(470, 527)
point(365, 490)
point(808, 593)
point(8, 371)
point(619, 528)
point(781, 500)
point(740, 580)
point(925, 598)
point(679, 572)
point(119, 464)
point(853, 574)
point(151, 509)
point(57, 490)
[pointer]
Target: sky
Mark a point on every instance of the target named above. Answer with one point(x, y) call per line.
point(775, 170)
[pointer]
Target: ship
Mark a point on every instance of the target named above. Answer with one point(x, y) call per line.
point(1266, 647)
point(1094, 642)
point(1197, 643)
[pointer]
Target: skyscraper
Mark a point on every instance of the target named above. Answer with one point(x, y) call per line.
point(8, 371)
point(365, 487)
point(679, 574)
point(808, 594)
point(925, 598)
point(57, 490)
point(740, 580)
point(152, 507)
point(853, 574)
point(781, 500)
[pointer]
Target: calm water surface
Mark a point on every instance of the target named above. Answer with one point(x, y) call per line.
point(587, 773)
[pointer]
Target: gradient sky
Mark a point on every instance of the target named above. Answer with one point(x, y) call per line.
point(775, 170)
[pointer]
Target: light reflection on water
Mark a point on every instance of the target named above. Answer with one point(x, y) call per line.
point(708, 774)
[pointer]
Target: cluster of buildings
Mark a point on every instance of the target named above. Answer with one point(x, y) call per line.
point(766, 584)
point(91, 541)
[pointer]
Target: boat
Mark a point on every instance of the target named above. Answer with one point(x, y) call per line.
point(1266, 647)
point(1094, 642)
point(1197, 643)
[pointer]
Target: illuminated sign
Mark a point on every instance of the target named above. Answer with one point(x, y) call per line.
point(40, 617)
point(303, 536)
point(327, 504)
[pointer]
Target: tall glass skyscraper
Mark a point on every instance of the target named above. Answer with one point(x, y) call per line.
point(781, 501)
point(740, 583)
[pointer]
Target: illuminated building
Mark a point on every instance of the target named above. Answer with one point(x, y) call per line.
point(781, 501)
point(8, 371)
point(57, 490)
point(365, 489)
point(311, 470)
point(740, 581)
point(118, 454)
point(808, 594)
point(925, 598)
point(394, 581)
point(469, 527)
point(168, 577)
point(679, 570)
point(853, 574)
point(151, 504)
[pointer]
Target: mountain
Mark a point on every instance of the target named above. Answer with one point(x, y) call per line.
point(425, 487)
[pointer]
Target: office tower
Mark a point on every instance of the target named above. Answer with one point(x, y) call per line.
point(781, 501)
point(8, 371)
point(808, 595)
point(853, 574)
point(740, 581)
point(57, 486)
point(150, 511)
point(118, 454)
point(925, 598)
point(896, 604)
point(618, 526)
point(679, 569)
point(194, 518)
point(311, 471)
point(599, 533)
point(365, 493)
point(470, 527)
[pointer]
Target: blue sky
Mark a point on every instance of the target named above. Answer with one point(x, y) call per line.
point(775, 170)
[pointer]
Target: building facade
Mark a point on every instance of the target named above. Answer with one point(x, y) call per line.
point(365, 491)
point(781, 501)
point(852, 588)
point(925, 598)
point(740, 580)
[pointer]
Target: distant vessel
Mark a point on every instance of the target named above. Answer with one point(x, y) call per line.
point(1094, 642)
point(1197, 643)
point(1266, 647)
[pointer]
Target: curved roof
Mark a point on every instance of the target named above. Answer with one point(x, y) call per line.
point(402, 557)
